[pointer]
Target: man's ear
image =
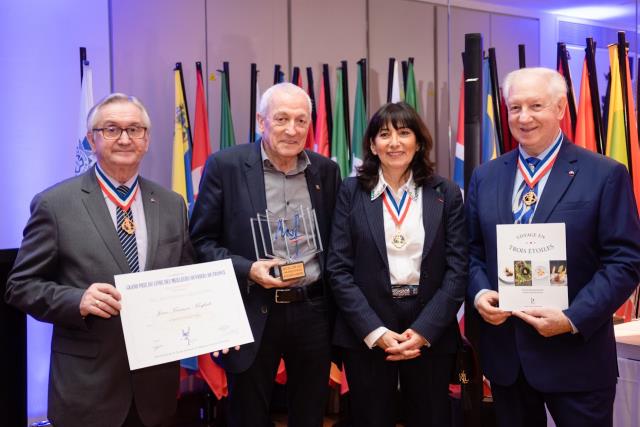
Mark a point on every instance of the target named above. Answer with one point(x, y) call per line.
point(561, 107)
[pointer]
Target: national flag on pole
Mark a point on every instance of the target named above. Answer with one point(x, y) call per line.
point(310, 143)
point(489, 140)
point(181, 164)
point(566, 124)
point(585, 127)
point(359, 120)
point(339, 148)
point(85, 158)
point(411, 96)
point(201, 144)
point(458, 163)
point(396, 94)
point(322, 136)
point(227, 134)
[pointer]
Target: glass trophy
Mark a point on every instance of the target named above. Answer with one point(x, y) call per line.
point(293, 240)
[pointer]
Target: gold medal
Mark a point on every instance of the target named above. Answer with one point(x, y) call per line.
point(529, 198)
point(398, 240)
point(128, 226)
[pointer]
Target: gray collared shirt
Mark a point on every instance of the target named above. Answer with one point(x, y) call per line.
point(286, 193)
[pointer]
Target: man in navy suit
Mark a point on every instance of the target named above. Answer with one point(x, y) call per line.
point(289, 319)
point(565, 359)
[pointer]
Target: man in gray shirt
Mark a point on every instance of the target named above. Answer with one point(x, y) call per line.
point(289, 319)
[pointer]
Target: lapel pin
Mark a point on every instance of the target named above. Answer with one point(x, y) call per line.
point(152, 200)
point(318, 187)
point(440, 200)
point(571, 173)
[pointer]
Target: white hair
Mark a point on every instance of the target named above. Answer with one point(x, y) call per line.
point(556, 85)
point(288, 88)
point(115, 98)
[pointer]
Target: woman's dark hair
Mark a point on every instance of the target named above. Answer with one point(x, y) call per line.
point(399, 115)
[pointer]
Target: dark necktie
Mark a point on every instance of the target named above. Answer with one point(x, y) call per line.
point(127, 240)
point(523, 212)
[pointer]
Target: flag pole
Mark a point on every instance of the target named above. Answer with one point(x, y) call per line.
point(622, 63)
point(495, 98)
point(392, 62)
point(345, 102)
point(327, 95)
point(276, 74)
point(564, 63)
point(405, 71)
point(521, 56)
point(295, 75)
point(312, 95)
point(225, 69)
point(252, 102)
point(83, 58)
point(595, 94)
point(363, 73)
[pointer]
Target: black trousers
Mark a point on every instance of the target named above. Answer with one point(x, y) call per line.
point(300, 334)
point(424, 383)
point(520, 405)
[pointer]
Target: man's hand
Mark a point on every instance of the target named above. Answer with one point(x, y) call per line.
point(547, 321)
point(224, 351)
point(259, 273)
point(487, 306)
point(407, 348)
point(389, 339)
point(100, 299)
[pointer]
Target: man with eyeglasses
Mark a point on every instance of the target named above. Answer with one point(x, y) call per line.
point(81, 233)
point(289, 319)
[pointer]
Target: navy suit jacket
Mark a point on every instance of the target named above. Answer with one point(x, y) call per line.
point(359, 270)
point(592, 195)
point(231, 193)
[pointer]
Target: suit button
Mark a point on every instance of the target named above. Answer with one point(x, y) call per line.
point(264, 309)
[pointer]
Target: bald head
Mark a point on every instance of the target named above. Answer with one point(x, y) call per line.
point(281, 89)
point(554, 82)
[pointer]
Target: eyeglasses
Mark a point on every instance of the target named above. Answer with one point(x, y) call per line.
point(114, 132)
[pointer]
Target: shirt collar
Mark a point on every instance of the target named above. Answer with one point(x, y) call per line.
point(409, 187)
point(545, 152)
point(301, 164)
point(115, 182)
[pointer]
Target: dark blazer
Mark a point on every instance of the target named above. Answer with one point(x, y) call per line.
point(359, 270)
point(69, 243)
point(592, 195)
point(231, 193)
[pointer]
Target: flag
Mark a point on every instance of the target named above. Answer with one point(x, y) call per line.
point(201, 144)
point(339, 149)
point(359, 122)
point(458, 164)
point(227, 135)
point(396, 95)
point(566, 124)
point(310, 143)
point(85, 157)
point(181, 164)
point(489, 140)
point(585, 127)
point(411, 97)
point(322, 129)
point(255, 119)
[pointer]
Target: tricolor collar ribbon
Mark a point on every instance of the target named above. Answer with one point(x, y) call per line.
point(124, 202)
point(541, 169)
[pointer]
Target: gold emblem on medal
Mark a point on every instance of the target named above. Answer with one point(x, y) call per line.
point(398, 241)
point(529, 198)
point(128, 226)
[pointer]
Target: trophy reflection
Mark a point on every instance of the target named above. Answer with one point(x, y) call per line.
point(293, 240)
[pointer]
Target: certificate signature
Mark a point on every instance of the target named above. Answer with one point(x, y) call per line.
point(181, 312)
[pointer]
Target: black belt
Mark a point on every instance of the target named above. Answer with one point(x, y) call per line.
point(299, 293)
point(404, 291)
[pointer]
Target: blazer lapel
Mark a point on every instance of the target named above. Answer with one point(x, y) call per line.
point(152, 219)
point(93, 200)
point(314, 186)
point(562, 174)
point(373, 214)
point(506, 179)
point(255, 180)
point(432, 205)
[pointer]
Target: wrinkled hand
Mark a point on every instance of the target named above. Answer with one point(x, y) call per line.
point(100, 299)
point(547, 321)
point(389, 339)
point(407, 348)
point(259, 273)
point(224, 351)
point(487, 306)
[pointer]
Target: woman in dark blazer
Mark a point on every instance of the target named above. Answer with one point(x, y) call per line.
point(398, 269)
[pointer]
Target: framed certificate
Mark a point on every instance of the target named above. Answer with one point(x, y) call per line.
point(532, 266)
point(180, 312)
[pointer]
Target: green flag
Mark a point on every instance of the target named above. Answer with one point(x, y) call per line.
point(339, 149)
point(411, 97)
point(227, 136)
point(359, 123)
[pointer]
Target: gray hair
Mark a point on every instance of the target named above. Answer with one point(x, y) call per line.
point(115, 98)
point(288, 88)
point(556, 85)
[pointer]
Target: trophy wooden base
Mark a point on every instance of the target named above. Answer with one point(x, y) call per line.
point(294, 270)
